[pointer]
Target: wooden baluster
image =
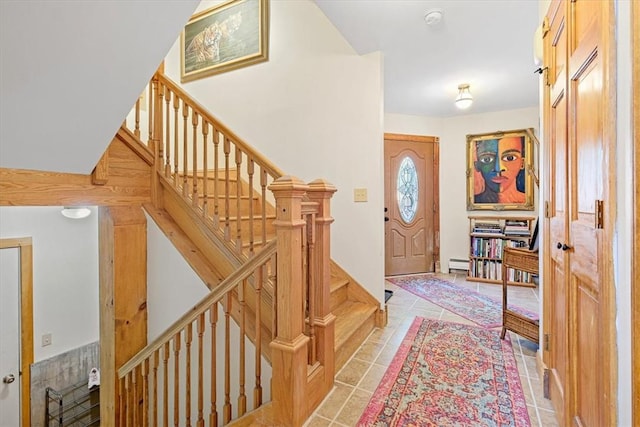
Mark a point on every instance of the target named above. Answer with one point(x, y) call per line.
point(213, 322)
point(194, 166)
point(200, 422)
point(131, 406)
point(153, 91)
point(154, 411)
point(239, 200)
point(242, 397)
point(176, 170)
point(187, 406)
point(145, 393)
point(150, 112)
point(311, 286)
point(263, 210)
point(250, 171)
point(257, 389)
point(122, 401)
point(136, 129)
point(185, 149)
point(227, 151)
point(226, 411)
point(205, 169)
point(167, 151)
point(165, 387)
point(176, 380)
point(158, 133)
point(216, 177)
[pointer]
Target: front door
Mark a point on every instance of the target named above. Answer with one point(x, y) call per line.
point(9, 337)
point(411, 204)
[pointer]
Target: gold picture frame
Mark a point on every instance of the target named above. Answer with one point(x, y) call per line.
point(228, 36)
point(500, 170)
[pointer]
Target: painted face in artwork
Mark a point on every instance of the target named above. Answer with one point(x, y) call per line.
point(499, 162)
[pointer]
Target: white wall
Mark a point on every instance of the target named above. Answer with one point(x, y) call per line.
point(623, 253)
point(65, 275)
point(452, 131)
point(315, 110)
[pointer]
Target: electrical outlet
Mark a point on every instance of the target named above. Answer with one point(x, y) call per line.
point(46, 340)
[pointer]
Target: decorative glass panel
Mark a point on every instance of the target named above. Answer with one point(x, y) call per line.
point(407, 190)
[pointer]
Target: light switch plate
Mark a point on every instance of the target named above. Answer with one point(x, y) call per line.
point(359, 194)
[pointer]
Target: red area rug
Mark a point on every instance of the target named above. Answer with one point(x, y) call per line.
point(449, 374)
point(480, 309)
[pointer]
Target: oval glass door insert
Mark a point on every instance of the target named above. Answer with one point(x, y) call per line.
point(407, 190)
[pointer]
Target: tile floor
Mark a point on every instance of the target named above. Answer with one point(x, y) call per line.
point(358, 379)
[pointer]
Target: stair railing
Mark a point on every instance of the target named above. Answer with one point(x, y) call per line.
point(216, 171)
point(169, 380)
point(192, 148)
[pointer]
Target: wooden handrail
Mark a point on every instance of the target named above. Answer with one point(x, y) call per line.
point(203, 112)
point(214, 296)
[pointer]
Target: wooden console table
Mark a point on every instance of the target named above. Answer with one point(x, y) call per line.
point(523, 260)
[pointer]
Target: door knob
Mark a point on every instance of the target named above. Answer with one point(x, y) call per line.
point(9, 379)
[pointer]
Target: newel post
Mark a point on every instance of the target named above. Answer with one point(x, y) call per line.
point(289, 348)
point(321, 191)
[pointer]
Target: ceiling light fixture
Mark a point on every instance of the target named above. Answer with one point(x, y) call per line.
point(464, 99)
point(433, 17)
point(75, 212)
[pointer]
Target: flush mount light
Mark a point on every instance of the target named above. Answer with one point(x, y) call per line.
point(464, 98)
point(433, 17)
point(76, 212)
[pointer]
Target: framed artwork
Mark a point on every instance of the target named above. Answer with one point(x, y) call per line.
point(223, 38)
point(499, 170)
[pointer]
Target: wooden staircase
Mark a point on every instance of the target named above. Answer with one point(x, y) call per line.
point(215, 197)
point(356, 311)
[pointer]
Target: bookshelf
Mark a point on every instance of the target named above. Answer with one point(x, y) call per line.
point(488, 237)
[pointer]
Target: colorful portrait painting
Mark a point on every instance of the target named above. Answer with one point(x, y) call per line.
point(498, 167)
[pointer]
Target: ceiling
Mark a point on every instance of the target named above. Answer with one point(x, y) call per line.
point(488, 44)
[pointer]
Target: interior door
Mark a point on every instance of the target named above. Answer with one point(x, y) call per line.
point(411, 204)
point(10, 337)
point(556, 295)
point(579, 298)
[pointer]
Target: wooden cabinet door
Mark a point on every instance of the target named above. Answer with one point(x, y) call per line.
point(578, 282)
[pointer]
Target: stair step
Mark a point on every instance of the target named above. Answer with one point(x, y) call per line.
point(354, 321)
point(339, 291)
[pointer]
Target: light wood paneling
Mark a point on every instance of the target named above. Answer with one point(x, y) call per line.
point(123, 297)
point(125, 173)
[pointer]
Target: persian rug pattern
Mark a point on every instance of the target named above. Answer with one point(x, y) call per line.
point(449, 374)
point(480, 309)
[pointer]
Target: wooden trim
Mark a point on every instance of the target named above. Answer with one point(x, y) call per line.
point(609, 131)
point(635, 268)
point(25, 246)
point(436, 185)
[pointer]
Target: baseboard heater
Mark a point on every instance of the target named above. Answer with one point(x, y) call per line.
point(458, 264)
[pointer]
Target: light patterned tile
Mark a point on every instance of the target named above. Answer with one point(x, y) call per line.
point(353, 409)
point(353, 371)
point(334, 401)
point(372, 378)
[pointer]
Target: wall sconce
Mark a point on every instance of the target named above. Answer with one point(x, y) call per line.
point(464, 99)
point(75, 212)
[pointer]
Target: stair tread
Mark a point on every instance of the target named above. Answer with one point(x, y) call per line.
point(349, 316)
point(337, 283)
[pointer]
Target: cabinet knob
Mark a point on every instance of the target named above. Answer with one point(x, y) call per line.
point(559, 245)
point(566, 247)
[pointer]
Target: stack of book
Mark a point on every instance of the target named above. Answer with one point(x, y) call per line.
point(516, 228)
point(487, 227)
